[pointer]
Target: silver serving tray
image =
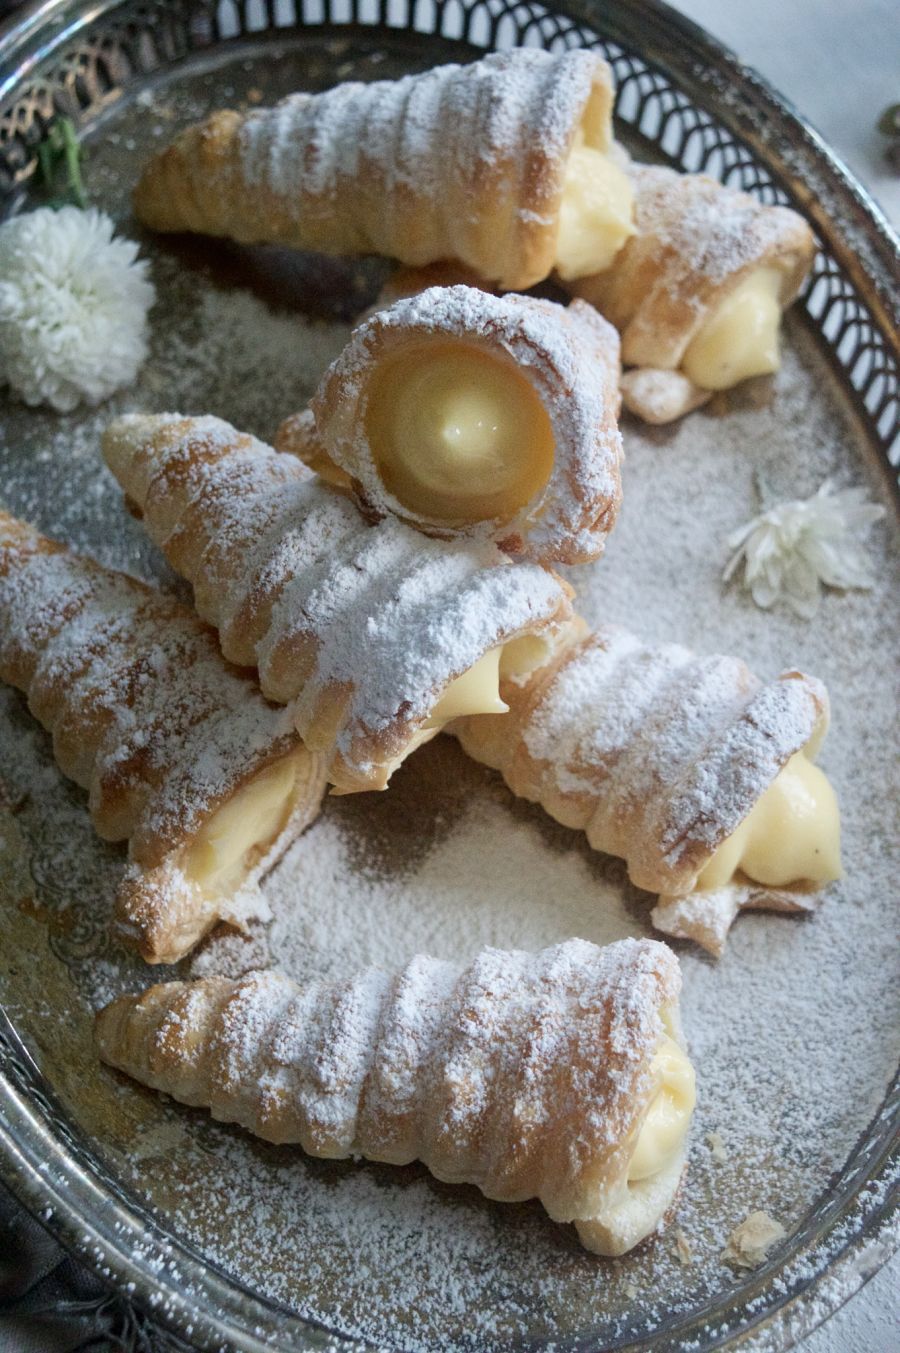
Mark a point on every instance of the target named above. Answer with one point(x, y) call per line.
point(681, 97)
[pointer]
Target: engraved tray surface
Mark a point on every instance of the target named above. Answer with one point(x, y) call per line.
point(231, 1243)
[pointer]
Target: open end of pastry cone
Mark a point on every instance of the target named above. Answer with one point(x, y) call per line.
point(475, 691)
point(459, 412)
point(458, 434)
point(596, 214)
point(637, 1215)
point(656, 1163)
point(792, 835)
point(239, 833)
point(739, 339)
point(164, 911)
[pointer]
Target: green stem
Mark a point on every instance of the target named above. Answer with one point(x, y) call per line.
point(60, 149)
point(73, 163)
point(46, 158)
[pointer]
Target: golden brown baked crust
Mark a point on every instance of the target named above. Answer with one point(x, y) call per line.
point(462, 162)
point(656, 753)
point(527, 1075)
point(150, 720)
point(569, 356)
point(358, 627)
point(695, 240)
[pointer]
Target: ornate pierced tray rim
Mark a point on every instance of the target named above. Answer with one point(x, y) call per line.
point(51, 1168)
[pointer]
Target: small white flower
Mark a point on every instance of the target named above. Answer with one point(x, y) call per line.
point(73, 307)
point(791, 548)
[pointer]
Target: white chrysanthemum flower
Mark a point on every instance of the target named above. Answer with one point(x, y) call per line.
point(73, 307)
point(790, 549)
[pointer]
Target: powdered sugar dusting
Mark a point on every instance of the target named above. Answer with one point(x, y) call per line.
point(656, 753)
point(523, 1073)
point(161, 729)
point(570, 356)
point(326, 604)
point(147, 717)
point(701, 228)
point(793, 1031)
point(391, 167)
point(695, 240)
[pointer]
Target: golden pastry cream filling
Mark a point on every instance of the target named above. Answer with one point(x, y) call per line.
point(596, 214)
point(739, 339)
point(791, 835)
point(654, 1168)
point(240, 832)
point(457, 433)
point(660, 1138)
point(477, 690)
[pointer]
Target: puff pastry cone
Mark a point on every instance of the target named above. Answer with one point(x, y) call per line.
point(560, 1075)
point(475, 417)
point(374, 635)
point(690, 769)
point(502, 165)
point(180, 754)
point(697, 291)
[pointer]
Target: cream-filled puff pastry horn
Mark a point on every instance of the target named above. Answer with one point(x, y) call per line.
point(690, 769)
point(471, 415)
point(373, 634)
point(180, 754)
point(698, 291)
point(560, 1076)
point(502, 165)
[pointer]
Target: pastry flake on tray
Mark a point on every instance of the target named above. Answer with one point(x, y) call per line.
point(373, 634)
point(689, 768)
point(560, 1075)
point(484, 163)
point(468, 414)
point(180, 754)
point(707, 915)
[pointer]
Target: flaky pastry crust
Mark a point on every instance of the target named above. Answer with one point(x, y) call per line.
point(461, 162)
point(526, 1075)
point(358, 627)
point(570, 357)
point(149, 719)
point(657, 754)
point(695, 241)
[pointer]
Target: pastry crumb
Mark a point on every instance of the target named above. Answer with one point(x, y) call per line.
point(717, 1147)
point(660, 397)
point(631, 1291)
point(750, 1242)
point(683, 1247)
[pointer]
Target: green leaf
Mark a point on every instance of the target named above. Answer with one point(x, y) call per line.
point(889, 122)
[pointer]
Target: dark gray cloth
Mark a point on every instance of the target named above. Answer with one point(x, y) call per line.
point(50, 1303)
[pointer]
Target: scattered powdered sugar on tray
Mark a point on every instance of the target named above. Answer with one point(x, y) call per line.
point(488, 879)
point(792, 1032)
